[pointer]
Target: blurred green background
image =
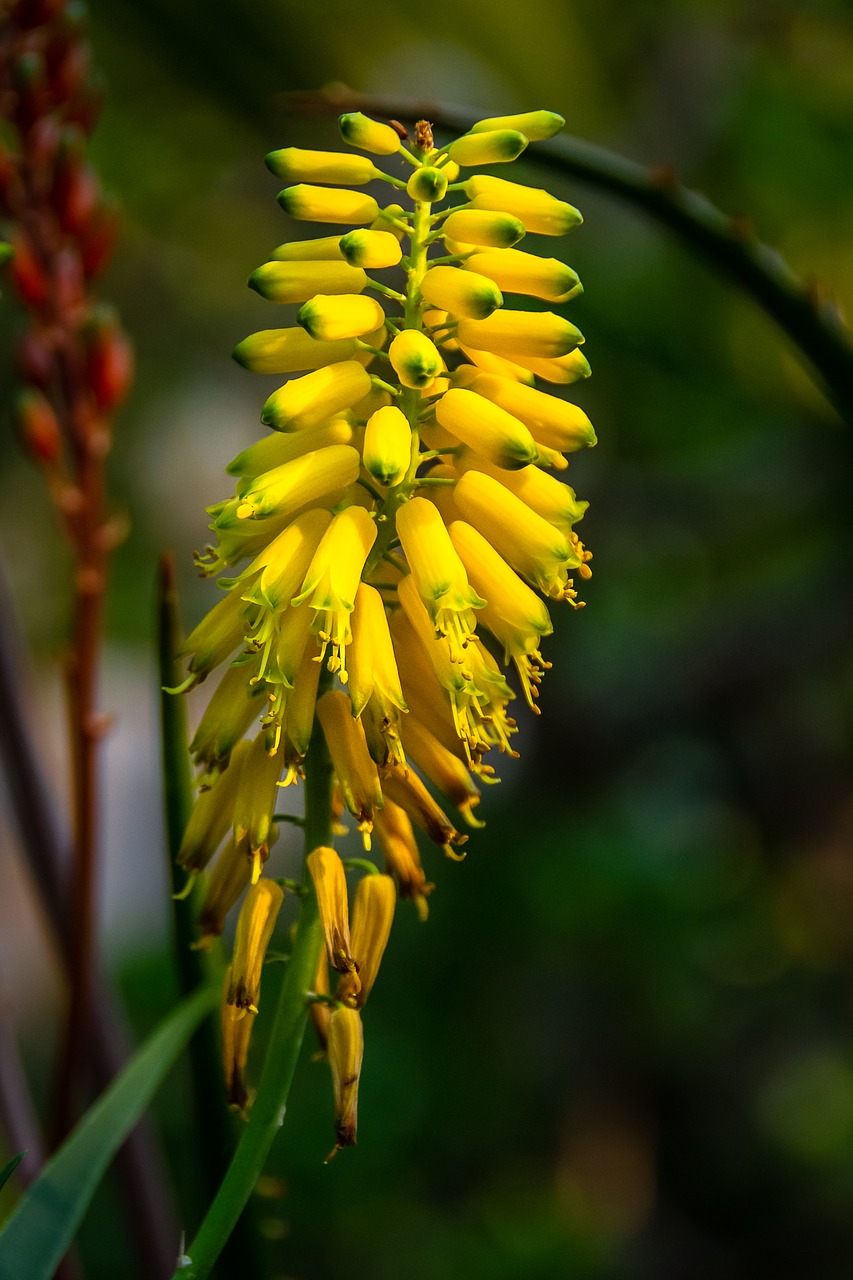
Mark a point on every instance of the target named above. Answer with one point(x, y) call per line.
point(622, 1046)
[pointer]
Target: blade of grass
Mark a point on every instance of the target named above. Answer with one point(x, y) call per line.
point(9, 1168)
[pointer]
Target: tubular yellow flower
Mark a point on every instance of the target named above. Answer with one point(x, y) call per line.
point(255, 801)
point(231, 874)
point(236, 702)
point(346, 1053)
point(326, 248)
point(415, 359)
point(329, 317)
point(492, 228)
point(567, 369)
point(298, 710)
point(215, 638)
point(289, 351)
point(405, 788)
point(356, 773)
point(444, 769)
point(487, 428)
point(517, 272)
point(427, 185)
point(285, 561)
point(490, 363)
point(212, 814)
point(548, 497)
point(535, 208)
point(372, 664)
point(275, 450)
point(292, 164)
point(236, 1033)
point(312, 399)
point(438, 573)
point(255, 926)
point(557, 424)
point(402, 859)
point(371, 249)
point(330, 886)
point(462, 292)
point(299, 281)
point(283, 490)
point(492, 146)
point(387, 445)
point(372, 916)
point(521, 333)
point(332, 579)
point(318, 1009)
point(360, 131)
point(319, 204)
point(535, 125)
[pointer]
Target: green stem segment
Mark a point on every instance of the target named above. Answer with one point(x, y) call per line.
point(267, 1114)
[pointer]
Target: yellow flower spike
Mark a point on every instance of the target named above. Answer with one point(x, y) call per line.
point(315, 397)
point(332, 579)
point(212, 814)
point(495, 146)
point(299, 281)
point(236, 1033)
point(535, 125)
point(518, 333)
point(255, 926)
point(356, 772)
point(372, 665)
point(236, 702)
point(464, 293)
point(346, 1053)
point(538, 210)
point(324, 249)
point(231, 874)
point(487, 428)
point(319, 204)
point(330, 886)
point(329, 317)
point(553, 422)
point(515, 616)
point(283, 490)
point(371, 249)
point(255, 801)
point(370, 135)
point(427, 185)
point(444, 769)
point(415, 359)
point(372, 917)
point(289, 351)
point(292, 164)
point(563, 371)
point(438, 573)
point(387, 445)
point(405, 788)
point(517, 272)
point(492, 229)
point(548, 497)
point(279, 448)
point(402, 859)
point(215, 638)
point(527, 542)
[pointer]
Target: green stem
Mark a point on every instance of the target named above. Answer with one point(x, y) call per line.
point(267, 1114)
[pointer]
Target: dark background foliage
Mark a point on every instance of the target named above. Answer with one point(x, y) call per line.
point(621, 1047)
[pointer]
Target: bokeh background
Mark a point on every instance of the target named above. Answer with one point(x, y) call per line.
point(622, 1046)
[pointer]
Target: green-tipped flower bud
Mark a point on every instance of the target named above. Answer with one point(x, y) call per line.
point(319, 204)
point(295, 165)
point(387, 445)
point(346, 316)
point(494, 230)
point(371, 249)
point(448, 289)
point(538, 210)
point(360, 131)
point(416, 360)
point(299, 281)
point(325, 249)
point(541, 334)
point(486, 428)
point(427, 184)
point(519, 272)
point(289, 351)
point(316, 397)
point(494, 147)
point(535, 125)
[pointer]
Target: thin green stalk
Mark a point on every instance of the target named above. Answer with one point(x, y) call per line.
point(267, 1114)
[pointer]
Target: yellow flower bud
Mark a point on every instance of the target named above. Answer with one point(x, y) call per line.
point(438, 573)
point(255, 926)
point(405, 788)
point(521, 333)
point(388, 220)
point(319, 204)
point(486, 428)
point(372, 916)
point(232, 708)
point(491, 147)
point(360, 131)
point(324, 249)
point(387, 445)
point(356, 772)
point(426, 185)
point(462, 292)
point(402, 859)
point(299, 281)
point(283, 490)
point(300, 705)
point(255, 801)
point(494, 229)
point(415, 359)
point(490, 363)
point(517, 272)
point(344, 316)
point(231, 873)
point(537, 209)
point(553, 422)
point(346, 1053)
point(444, 769)
point(535, 125)
point(236, 1033)
point(279, 448)
point(284, 562)
point(289, 351)
point(567, 369)
point(371, 249)
point(292, 164)
point(332, 579)
point(212, 815)
point(545, 494)
point(315, 397)
point(318, 1009)
point(330, 886)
